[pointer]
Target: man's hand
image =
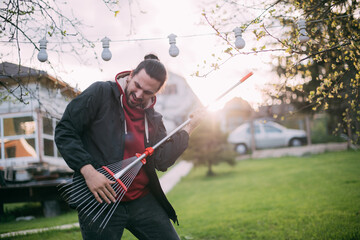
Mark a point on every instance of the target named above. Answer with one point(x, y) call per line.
point(196, 117)
point(98, 184)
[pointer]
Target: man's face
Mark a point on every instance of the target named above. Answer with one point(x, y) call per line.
point(140, 89)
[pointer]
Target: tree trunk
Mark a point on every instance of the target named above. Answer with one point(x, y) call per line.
point(349, 133)
point(210, 171)
point(308, 130)
point(252, 130)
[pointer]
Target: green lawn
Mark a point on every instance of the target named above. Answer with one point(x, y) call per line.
point(315, 197)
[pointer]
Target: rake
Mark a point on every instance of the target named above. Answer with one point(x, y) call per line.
point(123, 172)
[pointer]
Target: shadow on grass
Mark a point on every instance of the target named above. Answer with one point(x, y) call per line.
point(35, 209)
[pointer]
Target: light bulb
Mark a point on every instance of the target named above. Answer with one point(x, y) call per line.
point(239, 41)
point(106, 54)
point(173, 50)
point(42, 55)
point(303, 36)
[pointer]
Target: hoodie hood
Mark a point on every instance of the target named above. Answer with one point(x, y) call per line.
point(120, 80)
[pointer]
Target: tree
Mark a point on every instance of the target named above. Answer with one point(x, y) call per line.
point(331, 62)
point(26, 22)
point(322, 74)
point(207, 146)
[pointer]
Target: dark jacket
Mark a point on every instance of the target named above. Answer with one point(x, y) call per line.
point(92, 131)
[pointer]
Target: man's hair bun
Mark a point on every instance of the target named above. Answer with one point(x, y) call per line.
point(151, 56)
point(153, 67)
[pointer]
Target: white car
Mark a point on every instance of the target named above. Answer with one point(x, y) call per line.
point(268, 134)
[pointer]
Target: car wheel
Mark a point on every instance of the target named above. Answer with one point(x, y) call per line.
point(241, 148)
point(295, 142)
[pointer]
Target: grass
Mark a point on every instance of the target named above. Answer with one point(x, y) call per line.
point(39, 222)
point(315, 197)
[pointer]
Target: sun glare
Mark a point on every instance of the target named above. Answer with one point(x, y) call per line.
point(208, 90)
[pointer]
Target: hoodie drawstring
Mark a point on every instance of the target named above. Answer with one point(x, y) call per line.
point(145, 118)
point(146, 129)
point(122, 105)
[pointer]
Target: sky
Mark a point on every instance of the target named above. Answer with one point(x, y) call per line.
point(150, 22)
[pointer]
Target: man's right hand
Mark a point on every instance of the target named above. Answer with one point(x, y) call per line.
point(98, 184)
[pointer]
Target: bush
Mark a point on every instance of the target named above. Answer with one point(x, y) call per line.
point(208, 146)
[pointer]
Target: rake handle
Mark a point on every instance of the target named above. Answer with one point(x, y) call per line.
point(188, 120)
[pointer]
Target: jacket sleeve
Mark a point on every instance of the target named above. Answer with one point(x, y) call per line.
point(166, 155)
point(69, 131)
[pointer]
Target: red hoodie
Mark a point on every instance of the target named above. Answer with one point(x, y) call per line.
point(134, 143)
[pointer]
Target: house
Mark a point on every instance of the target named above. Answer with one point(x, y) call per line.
point(31, 104)
point(176, 101)
point(235, 112)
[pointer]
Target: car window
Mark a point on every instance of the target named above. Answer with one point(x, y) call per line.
point(271, 129)
point(256, 130)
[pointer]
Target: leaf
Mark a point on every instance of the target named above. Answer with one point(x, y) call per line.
point(116, 13)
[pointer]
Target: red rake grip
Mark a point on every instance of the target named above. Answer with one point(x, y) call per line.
point(117, 179)
point(149, 151)
point(247, 76)
point(142, 160)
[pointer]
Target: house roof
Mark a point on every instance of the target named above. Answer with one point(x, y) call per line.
point(237, 104)
point(14, 70)
point(11, 71)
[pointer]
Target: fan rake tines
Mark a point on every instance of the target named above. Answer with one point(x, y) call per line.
point(77, 194)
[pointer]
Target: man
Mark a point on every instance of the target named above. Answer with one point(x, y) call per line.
point(111, 121)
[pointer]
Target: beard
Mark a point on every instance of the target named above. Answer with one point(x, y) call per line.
point(131, 99)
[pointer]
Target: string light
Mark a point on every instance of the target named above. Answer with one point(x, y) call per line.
point(239, 41)
point(42, 55)
point(303, 36)
point(173, 50)
point(106, 54)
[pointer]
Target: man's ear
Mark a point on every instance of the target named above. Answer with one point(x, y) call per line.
point(130, 76)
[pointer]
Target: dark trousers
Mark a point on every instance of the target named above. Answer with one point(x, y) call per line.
point(143, 217)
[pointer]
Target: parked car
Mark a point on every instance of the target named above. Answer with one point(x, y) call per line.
point(268, 134)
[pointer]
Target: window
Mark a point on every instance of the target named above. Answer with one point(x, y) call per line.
point(256, 129)
point(49, 147)
point(23, 147)
point(19, 126)
point(18, 138)
point(271, 129)
point(48, 126)
point(10, 152)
